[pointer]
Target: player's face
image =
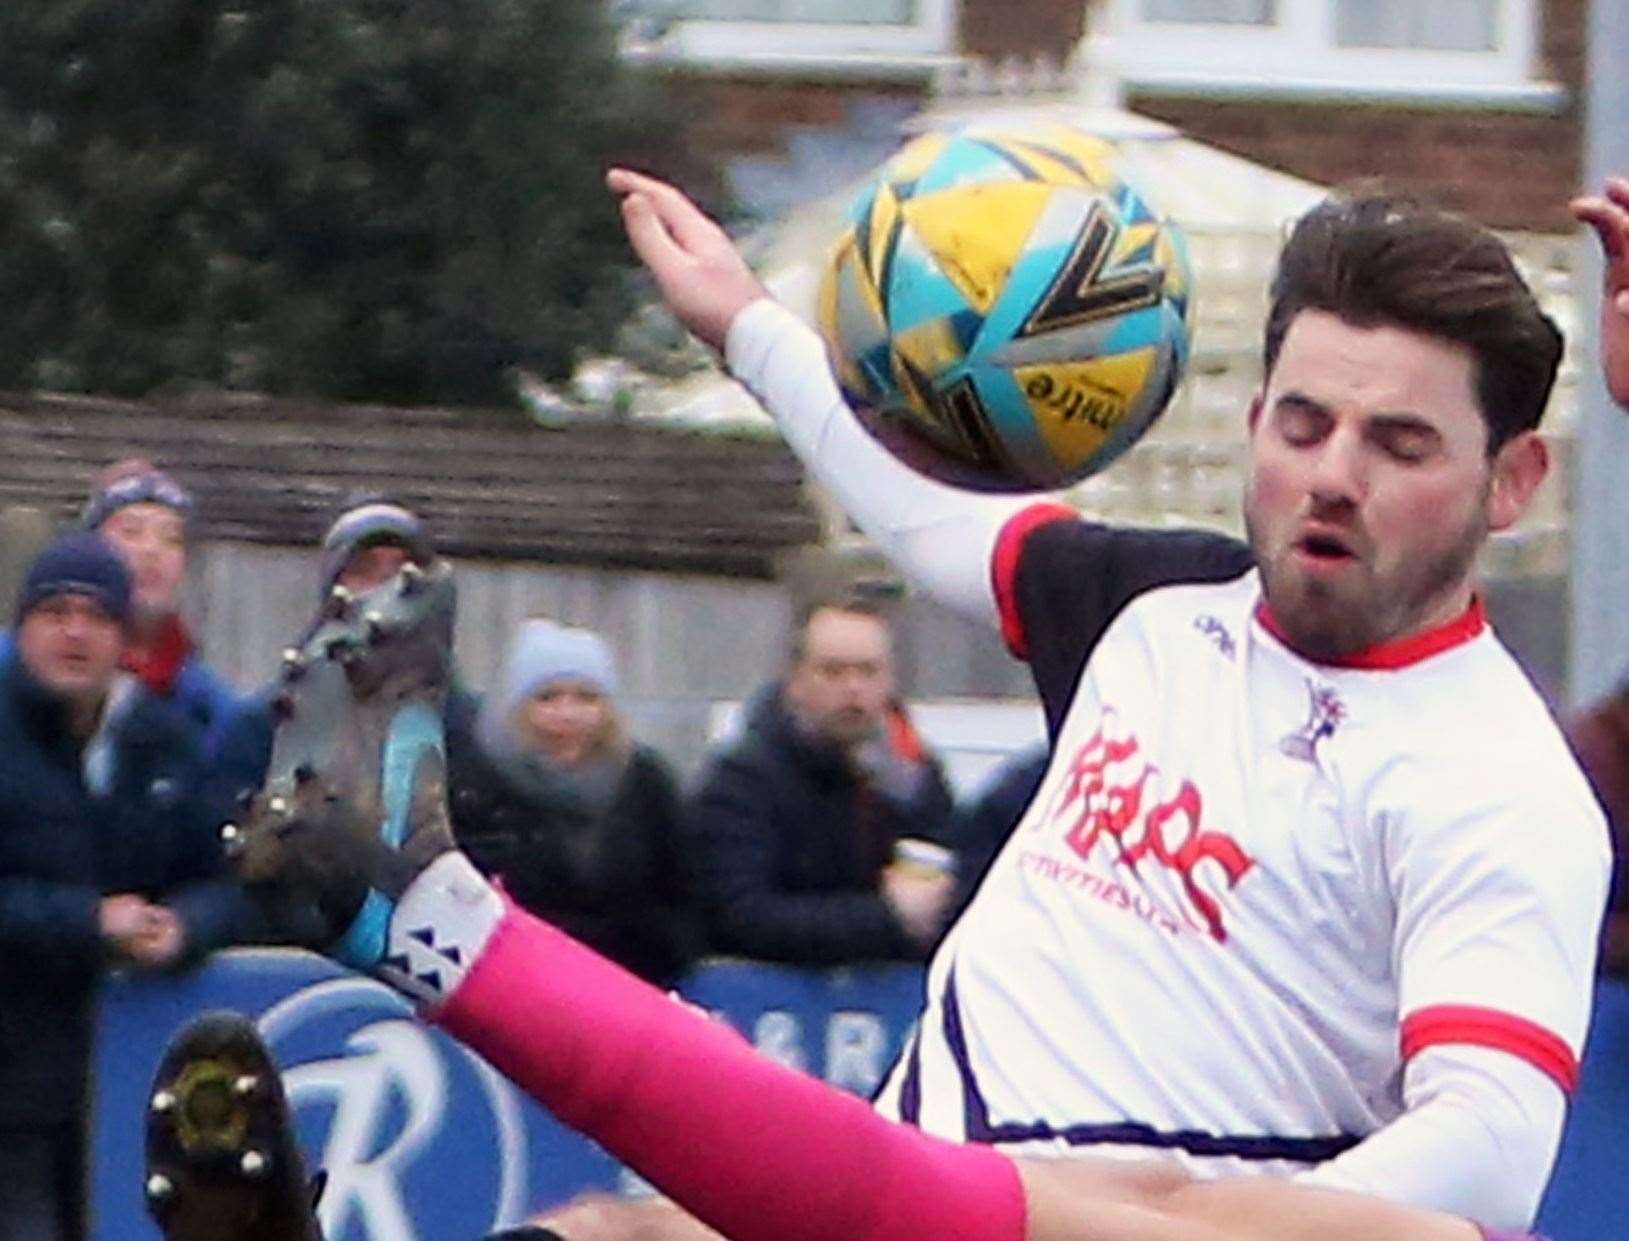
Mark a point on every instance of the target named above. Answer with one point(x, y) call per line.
point(1371, 490)
point(842, 685)
point(152, 538)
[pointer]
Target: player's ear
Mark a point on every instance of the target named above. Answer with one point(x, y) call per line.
point(1519, 467)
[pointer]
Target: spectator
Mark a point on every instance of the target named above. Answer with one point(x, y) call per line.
point(580, 822)
point(107, 858)
point(369, 543)
point(795, 823)
point(366, 546)
point(144, 514)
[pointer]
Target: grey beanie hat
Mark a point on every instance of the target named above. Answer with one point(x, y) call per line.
point(541, 654)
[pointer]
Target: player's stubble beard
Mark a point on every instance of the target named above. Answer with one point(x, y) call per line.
point(1328, 619)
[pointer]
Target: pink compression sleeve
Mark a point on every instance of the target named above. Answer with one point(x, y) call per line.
point(757, 1151)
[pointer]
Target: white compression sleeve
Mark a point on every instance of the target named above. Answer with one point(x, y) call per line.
point(1479, 1139)
point(942, 537)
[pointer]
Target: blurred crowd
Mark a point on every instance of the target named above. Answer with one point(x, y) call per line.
point(821, 831)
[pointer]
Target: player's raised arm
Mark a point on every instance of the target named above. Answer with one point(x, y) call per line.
point(942, 537)
point(1608, 214)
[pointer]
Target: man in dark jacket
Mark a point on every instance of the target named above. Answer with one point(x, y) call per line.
point(107, 859)
point(796, 828)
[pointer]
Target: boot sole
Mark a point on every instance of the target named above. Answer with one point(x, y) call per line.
point(222, 1164)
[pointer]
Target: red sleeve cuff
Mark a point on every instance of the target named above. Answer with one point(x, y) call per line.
point(1487, 1027)
point(1009, 549)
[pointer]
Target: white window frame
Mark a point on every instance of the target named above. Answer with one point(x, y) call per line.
point(932, 33)
point(1298, 55)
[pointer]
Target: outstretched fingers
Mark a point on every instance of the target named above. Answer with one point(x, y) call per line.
point(1608, 214)
point(650, 238)
point(702, 277)
point(687, 224)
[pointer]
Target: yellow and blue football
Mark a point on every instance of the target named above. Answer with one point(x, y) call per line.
point(1004, 311)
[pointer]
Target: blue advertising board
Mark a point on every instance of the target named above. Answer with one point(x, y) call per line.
point(1588, 1198)
point(422, 1141)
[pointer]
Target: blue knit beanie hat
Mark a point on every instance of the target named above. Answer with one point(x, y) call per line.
point(80, 563)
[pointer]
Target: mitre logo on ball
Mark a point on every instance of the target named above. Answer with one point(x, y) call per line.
point(1004, 310)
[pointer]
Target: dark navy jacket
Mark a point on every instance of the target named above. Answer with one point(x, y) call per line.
point(62, 848)
point(786, 846)
point(203, 699)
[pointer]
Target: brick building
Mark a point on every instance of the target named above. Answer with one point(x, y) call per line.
point(1478, 103)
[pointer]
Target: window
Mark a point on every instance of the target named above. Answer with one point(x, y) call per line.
point(1458, 50)
point(1238, 12)
point(791, 32)
point(862, 12)
point(1443, 25)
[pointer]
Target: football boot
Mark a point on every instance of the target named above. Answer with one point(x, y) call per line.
point(354, 804)
point(222, 1164)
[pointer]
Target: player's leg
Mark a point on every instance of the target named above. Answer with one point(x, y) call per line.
point(751, 1148)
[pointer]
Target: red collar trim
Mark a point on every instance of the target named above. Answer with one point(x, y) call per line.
point(1401, 652)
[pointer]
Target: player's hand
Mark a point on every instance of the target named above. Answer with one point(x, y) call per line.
point(702, 276)
point(1608, 214)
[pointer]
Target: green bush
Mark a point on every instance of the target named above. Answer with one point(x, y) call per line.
point(390, 200)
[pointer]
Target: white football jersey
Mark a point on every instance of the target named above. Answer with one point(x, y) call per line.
point(1250, 886)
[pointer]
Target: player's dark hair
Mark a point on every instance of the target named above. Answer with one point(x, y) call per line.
point(1373, 256)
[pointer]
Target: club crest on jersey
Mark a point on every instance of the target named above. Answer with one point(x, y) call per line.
point(1217, 633)
point(1110, 800)
point(1324, 716)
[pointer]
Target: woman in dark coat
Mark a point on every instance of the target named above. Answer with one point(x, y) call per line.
point(580, 823)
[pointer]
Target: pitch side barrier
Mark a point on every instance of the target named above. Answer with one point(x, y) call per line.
point(422, 1141)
